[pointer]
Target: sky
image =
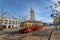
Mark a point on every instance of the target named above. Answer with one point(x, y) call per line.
point(20, 8)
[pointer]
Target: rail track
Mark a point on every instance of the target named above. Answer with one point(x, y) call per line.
point(42, 34)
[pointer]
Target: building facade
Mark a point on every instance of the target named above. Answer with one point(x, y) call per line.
point(10, 23)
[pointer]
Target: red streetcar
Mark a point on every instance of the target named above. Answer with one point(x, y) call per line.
point(31, 26)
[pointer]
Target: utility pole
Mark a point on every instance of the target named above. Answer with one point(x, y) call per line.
point(24, 17)
point(1, 21)
point(2, 18)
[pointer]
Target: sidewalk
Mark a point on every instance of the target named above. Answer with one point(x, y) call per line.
point(55, 35)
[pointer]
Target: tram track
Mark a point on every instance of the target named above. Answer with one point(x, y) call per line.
point(41, 35)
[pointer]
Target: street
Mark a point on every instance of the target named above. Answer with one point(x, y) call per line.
point(40, 34)
point(43, 34)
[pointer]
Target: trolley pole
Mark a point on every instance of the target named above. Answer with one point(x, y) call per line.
point(1, 20)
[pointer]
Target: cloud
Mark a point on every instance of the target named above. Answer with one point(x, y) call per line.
point(46, 20)
point(55, 1)
point(58, 5)
point(58, 9)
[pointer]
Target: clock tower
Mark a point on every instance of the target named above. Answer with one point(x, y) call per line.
point(32, 17)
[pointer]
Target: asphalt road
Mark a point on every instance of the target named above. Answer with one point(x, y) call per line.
point(49, 27)
point(43, 34)
point(17, 35)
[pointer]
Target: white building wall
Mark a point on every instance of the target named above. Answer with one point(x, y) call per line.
point(12, 21)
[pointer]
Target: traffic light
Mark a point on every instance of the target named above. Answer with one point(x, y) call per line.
point(51, 15)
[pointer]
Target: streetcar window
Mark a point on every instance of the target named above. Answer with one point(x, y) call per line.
point(34, 24)
point(22, 25)
point(29, 24)
point(25, 24)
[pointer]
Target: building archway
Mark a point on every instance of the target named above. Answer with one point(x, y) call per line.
point(9, 26)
